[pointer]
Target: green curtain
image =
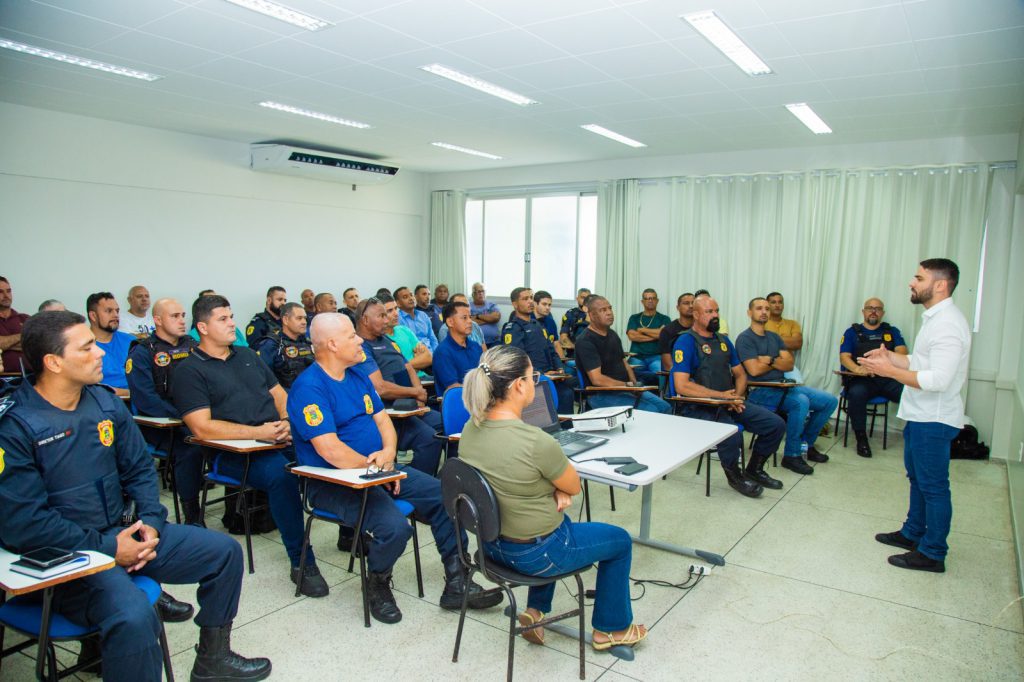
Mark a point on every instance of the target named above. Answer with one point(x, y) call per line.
point(617, 275)
point(448, 239)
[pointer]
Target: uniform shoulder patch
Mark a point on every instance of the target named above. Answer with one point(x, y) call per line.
point(368, 403)
point(508, 339)
point(887, 337)
point(2, 465)
point(250, 329)
point(128, 366)
point(313, 415)
point(679, 355)
point(725, 348)
point(395, 346)
point(106, 432)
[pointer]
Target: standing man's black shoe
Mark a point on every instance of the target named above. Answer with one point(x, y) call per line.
point(216, 661)
point(798, 465)
point(863, 447)
point(916, 561)
point(814, 456)
point(383, 606)
point(173, 611)
point(896, 539)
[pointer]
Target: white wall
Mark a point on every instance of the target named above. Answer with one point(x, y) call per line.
point(91, 205)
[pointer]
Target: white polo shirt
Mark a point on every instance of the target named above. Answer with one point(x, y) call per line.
point(137, 325)
point(941, 352)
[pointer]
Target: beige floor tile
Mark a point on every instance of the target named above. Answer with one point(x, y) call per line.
point(837, 549)
point(743, 624)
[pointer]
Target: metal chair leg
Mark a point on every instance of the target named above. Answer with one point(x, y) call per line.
point(416, 557)
point(302, 555)
point(586, 498)
point(611, 494)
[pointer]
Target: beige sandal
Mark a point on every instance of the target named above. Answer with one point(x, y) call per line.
point(634, 634)
point(536, 635)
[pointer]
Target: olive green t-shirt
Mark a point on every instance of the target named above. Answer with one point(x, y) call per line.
point(519, 461)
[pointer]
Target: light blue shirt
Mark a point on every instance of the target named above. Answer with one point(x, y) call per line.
point(477, 334)
point(419, 323)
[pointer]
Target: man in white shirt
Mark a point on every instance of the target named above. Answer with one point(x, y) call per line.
point(138, 320)
point(934, 411)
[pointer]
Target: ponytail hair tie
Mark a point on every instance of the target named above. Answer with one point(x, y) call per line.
point(486, 368)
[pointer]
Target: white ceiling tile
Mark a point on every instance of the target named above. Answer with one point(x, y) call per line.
point(788, 10)
point(736, 118)
point(635, 110)
point(768, 42)
point(991, 46)
point(293, 56)
point(974, 75)
point(679, 83)
point(127, 13)
point(166, 55)
point(367, 78)
point(639, 61)
point(897, 83)
point(700, 51)
point(707, 102)
point(504, 49)
point(880, 26)
point(940, 18)
point(429, 96)
point(863, 61)
point(595, 32)
point(210, 31)
point(362, 39)
point(49, 23)
point(418, 18)
point(240, 72)
point(780, 95)
point(785, 71)
point(557, 73)
point(994, 116)
point(610, 92)
point(522, 13)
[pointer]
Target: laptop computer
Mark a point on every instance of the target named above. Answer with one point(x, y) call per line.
point(541, 413)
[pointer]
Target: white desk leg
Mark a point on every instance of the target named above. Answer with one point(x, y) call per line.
point(646, 503)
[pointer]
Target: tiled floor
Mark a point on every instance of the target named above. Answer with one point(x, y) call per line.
point(806, 593)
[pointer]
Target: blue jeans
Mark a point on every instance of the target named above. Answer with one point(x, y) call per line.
point(765, 424)
point(800, 401)
point(648, 401)
point(390, 530)
point(267, 473)
point(646, 368)
point(926, 456)
point(570, 547)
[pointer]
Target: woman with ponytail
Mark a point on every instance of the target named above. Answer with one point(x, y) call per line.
point(534, 482)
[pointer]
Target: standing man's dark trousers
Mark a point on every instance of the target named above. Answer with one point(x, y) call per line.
point(861, 389)
point(128, 624)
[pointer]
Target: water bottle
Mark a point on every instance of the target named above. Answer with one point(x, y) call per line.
point(803, 450)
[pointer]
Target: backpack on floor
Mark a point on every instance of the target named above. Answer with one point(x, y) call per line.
point(967, 446)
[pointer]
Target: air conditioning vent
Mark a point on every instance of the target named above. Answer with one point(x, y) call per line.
point(319, 165)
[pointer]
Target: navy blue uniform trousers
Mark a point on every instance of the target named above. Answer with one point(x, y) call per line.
point(765, 424)
point(417, 434)
point(129, 626)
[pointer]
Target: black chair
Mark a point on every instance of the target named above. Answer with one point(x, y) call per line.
point(879, 402)
point(472, 507)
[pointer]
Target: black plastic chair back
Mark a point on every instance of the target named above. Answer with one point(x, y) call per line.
point(469, 500)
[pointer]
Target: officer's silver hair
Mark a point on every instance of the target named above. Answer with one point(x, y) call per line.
point(326, 325)
point(51, 304)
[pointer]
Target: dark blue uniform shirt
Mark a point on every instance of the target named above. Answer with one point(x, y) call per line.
point(452, 362)
point(529, 335)
point(262, 324)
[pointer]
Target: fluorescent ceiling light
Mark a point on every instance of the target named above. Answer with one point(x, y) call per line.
point(78, 61)
point(709, 25)
point(287, 14)
point(314, 114)
point(809, 118)
point(466, 150)
point(477, 84)
point(612, 135)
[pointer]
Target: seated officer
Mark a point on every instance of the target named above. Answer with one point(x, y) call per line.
point(151, 363)
point(643, 330)
point(424, 305)
point(542, 311)
point(413, 350)
point(574, 320)
point(307, 302)
point(671, 331)
point(706, 366)
point(457, 353)
point(525, 332)
point(324, 302)
point(227, 392)
point(856, 341)
point(476, 333)
point(765, 358)
point(415, 319)
point(88, 441)
point(268, 322)
point(289, 352)
point(104, 321)
point(601, 360)
point(350, 297)
point(393, 379)
point(340, 422)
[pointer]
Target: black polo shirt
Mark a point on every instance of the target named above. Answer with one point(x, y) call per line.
point(594, 351)
point(235, 390)
point(668, 335)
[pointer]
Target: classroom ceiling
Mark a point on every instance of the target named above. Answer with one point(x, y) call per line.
point(875, 70)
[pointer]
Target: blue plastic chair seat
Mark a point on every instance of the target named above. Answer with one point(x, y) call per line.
point(215, 477)
point(25, 613)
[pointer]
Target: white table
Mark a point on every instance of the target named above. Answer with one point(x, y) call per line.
point(664, 443)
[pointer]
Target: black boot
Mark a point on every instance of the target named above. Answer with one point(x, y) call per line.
point(741, 483)
point(216, 661)
point(193, 512)
point(382, 602)
point(173, 611)
point(863, 447)
point(455, 584)
point(90, 651)
point(796, 464)
point(756, 473)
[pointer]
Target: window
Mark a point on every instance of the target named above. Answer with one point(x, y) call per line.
point(544, 242)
